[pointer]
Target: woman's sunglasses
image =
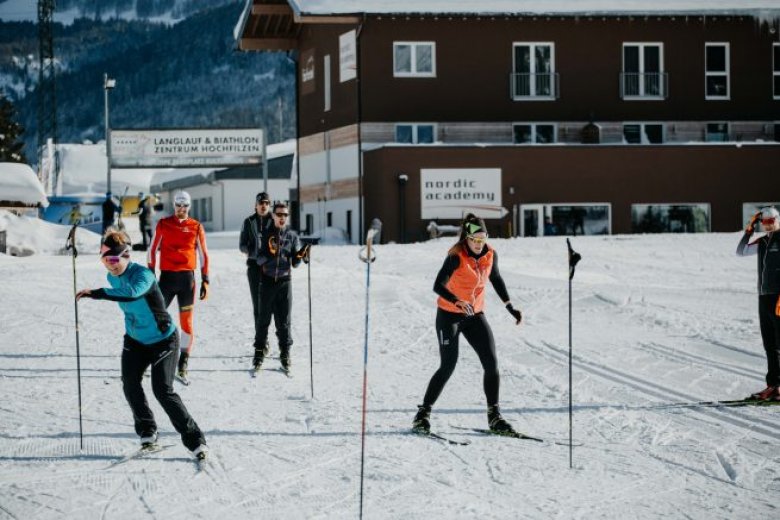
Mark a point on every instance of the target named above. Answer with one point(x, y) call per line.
point(477, 240)
point(111, 260)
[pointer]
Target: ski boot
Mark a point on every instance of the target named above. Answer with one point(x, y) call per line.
point(498, 424)
point(182, 371)
point(770, 393)
point(201, 452)
point(257, 361)
point(284, 358)
point(149, 441)
point(422, 421)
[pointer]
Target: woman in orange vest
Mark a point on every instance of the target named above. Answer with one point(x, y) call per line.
point(460, 285)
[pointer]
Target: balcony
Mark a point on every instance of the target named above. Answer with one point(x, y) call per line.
point(534, 86)
point(644, 85)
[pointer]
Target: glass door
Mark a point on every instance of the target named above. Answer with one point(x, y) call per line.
point(531, 220)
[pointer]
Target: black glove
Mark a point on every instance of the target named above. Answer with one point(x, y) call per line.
point(753, 221)
point(516, 314)
point(204, 290)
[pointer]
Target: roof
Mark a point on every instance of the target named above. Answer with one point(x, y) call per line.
point(759, 8)
point(20, 187)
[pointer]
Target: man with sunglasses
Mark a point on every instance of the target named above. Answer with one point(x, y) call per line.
point(254, 228)
point(150, 340)
point(181, 241)
point(767, 247)
point(280, 251)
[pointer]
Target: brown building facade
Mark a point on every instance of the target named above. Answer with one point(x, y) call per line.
point(550, 122)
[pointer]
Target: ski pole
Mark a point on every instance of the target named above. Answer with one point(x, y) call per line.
point(71, 245)
point(574, 257)
point(367, 255)
point(311, 341)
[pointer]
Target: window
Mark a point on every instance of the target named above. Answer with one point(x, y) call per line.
point(330, 218)
point(643, 133)
point(309, 223)
point(716, 66)
point(643, 71)
point(534, 74)
point(201, 209)
point(716, 132)
point(564, 219)
point(414, 59)
point(777, 132)
point(415, 133)
point(349, 225)
point(670, 218)
point(541, 133)
point(776, 70)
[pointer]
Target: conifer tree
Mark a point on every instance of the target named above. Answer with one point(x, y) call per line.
point(11, 144)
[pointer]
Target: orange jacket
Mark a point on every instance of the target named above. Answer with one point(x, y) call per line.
point(180, 244)
point(467, 283)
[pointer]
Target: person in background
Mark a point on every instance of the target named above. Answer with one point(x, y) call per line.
point(150, 340)
point(145, 212)
point(110, 209)
point(181, 241)
point(254, 228)
point(280, 251)
point(767, 247)
point(460, 284)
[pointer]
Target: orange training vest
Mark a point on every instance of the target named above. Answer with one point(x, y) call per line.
point(468, 281)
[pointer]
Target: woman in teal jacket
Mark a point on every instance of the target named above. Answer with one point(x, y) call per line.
point(150, 339)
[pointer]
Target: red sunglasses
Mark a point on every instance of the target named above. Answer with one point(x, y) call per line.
point(768, 221)
point(112, 260)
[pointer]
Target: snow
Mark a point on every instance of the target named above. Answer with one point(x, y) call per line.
point(28, 236)
point(83, 168)
point(657, 319)
point(554, 7)
point(19, 184)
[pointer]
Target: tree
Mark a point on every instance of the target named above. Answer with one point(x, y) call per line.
point(11, 144)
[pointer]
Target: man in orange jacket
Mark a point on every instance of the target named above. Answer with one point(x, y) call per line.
point(181, 241)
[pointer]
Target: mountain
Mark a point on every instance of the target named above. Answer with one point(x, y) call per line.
point(184, 74)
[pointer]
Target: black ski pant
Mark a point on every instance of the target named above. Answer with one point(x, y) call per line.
point(254, 276)
point(181, 285)
point(162, 356)
point(770, 334)
point(477, 332)
point(146, 233)
point(275, 301)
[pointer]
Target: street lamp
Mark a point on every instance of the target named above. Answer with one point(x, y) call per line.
point(108, 84)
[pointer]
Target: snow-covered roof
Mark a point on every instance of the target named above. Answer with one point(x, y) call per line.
point(20, 185)
point(83, 168)
point(758, 8)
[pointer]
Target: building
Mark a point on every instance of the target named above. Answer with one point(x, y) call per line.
point(223, 198)
point(565, 117)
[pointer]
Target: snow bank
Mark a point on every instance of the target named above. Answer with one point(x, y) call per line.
point(27, 236)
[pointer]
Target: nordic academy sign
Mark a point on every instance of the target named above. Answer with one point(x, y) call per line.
point(186, 147)
point(447, 193)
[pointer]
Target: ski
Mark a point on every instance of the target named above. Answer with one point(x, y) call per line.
point(511, 435)
point(141, 453)
point(436, 436)
point(286, 371)
point(254, 372)
point(183, 379)
point(716, 404)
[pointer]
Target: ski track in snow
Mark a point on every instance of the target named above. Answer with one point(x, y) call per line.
point(657, 319)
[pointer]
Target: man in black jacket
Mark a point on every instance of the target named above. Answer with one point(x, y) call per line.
point(280, 251)
point(767, 247)
point(252, 232)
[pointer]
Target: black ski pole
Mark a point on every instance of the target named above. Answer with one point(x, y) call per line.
point(367, 255)
point(574, 257)
point(71, 245)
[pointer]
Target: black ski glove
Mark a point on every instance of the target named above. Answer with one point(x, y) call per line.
point(516, 314)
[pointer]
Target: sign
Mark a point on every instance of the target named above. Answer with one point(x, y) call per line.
point(306, 64)
point(186, 147)
point(347, 56)
point(449, 192)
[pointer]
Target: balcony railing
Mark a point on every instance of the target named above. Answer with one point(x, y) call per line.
point(644, 85)
point(534, 85)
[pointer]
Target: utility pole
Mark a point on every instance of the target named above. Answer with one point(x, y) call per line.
point(47, 102)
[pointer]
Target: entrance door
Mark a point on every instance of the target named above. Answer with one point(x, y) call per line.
point(532, 220)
